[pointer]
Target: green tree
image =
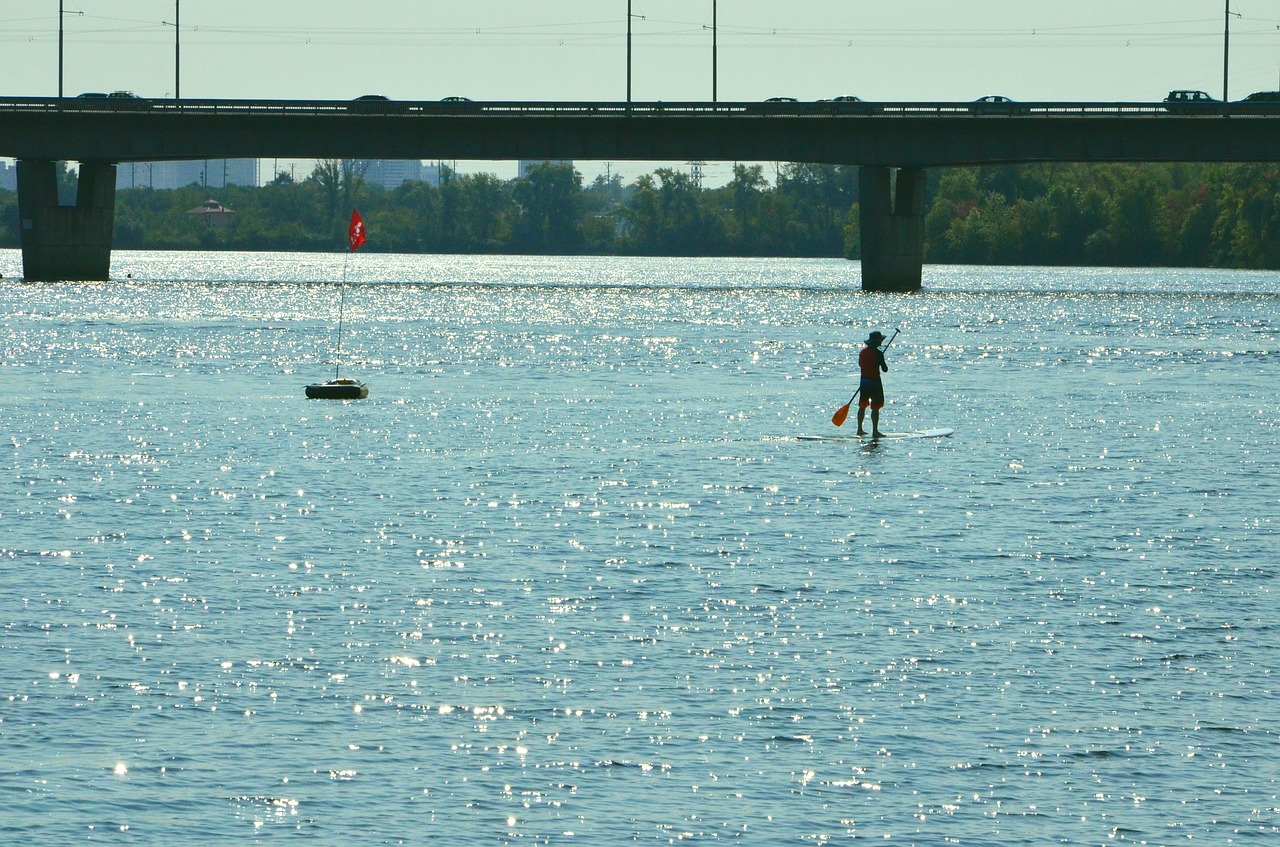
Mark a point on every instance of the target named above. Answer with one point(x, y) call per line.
point(665, 217)
point(1214, 215)
point(341, 182)
point(745, 190)
point(548, 217)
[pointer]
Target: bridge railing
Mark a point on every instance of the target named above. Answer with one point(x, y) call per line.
point(455, 107)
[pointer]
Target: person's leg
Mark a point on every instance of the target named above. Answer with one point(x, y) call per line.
point(862, 413)
point(875, 423)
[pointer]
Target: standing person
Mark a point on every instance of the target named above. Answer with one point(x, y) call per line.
point(870, 363)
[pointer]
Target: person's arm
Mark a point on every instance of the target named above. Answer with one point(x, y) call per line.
point(884, 366)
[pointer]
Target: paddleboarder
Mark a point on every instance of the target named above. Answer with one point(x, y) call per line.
point(870, 363)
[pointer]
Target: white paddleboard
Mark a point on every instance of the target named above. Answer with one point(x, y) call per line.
point(939, 432)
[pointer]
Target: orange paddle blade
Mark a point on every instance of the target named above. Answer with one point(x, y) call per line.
point(840, 415)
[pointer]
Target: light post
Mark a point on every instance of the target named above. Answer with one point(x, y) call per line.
point(61, 12)
point(629, 17)
point(1226, 46)
point(177, 47)
point(714, 38)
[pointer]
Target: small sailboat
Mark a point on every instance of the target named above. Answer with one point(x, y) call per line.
point(339, 388)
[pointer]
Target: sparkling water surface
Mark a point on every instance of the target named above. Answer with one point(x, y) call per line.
point(570, 574)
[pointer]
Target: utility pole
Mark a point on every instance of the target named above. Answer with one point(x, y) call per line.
point(715, 32)
point(629, 16)
point(177, 47)
point(60, 14)
point(1226, 49)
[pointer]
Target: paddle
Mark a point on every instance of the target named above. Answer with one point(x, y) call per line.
point(842, 413)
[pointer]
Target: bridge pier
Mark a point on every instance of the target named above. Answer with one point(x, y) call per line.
point(66, 242)
point(892, 224)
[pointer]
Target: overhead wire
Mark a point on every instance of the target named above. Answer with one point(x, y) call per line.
point(672, 33)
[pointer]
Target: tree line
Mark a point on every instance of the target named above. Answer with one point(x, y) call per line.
point(1051, 214)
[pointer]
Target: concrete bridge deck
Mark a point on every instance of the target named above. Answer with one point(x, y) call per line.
point(893, 142)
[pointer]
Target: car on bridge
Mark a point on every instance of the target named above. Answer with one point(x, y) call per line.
point(847, 104)
point(116, 100)
point(1258, 103)
point(1186, 102)
point(455, 105)
point(995, 104)
point(778, 106)
point(375, 104)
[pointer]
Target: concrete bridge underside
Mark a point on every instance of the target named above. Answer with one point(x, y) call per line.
point(894, 151)
point(73, 242)
point(66, 242)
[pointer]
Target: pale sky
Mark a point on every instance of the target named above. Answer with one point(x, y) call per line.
point(1134, 50)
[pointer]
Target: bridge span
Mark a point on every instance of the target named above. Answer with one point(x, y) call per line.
point(894, 143)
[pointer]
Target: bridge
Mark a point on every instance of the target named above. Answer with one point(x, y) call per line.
point(893, 143)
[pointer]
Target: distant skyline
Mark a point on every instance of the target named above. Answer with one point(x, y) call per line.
point(576, 49)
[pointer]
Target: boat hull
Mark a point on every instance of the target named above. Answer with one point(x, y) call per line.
point(338, 389)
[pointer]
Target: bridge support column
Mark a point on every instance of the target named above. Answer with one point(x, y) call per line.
point(892, 224)
point(66, 242)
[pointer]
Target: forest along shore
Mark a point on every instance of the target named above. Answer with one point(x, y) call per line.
point(1062, 214)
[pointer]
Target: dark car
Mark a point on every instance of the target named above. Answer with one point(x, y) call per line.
point(1260, 102)
point(1184, 102)
point(94, 100)
point(847, 104)
point(994, 104)
point(375, 103)
point(456, 105)
point(114, 101)
point(779, 105)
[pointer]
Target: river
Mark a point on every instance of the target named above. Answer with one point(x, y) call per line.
point(574, 573)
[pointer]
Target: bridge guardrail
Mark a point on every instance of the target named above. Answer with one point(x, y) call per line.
point(637, 109)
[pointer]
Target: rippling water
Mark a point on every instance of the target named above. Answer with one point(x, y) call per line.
point(569, 576)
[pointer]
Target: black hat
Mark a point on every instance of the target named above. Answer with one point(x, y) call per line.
point(875, 338)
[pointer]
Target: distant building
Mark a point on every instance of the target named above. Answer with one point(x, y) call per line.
point(212, 213)
point(209, 173)
point(393, 173)
point(8, 177)
point(525, 164)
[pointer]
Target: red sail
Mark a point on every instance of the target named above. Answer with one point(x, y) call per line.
point(355, 232)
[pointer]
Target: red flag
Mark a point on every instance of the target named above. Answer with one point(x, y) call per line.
point(355, 232)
